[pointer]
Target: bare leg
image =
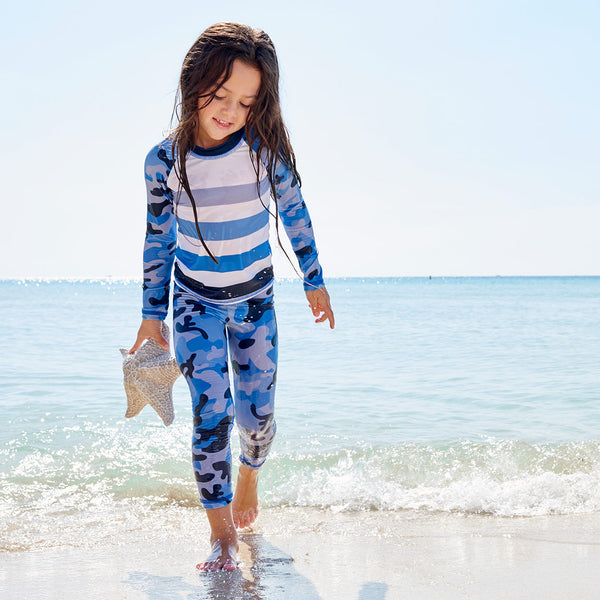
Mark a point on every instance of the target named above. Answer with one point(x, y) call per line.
point(223, 539)
point(245, 499)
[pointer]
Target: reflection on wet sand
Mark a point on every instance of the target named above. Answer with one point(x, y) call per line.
point(265, 573)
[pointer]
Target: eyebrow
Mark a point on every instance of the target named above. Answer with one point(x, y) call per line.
point(244, 95)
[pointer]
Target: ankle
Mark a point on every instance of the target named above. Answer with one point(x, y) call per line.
point(221, 524)
point(227, 535)
point(246, 472)
point(227, 541)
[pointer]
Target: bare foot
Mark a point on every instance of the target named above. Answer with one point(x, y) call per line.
point(223, 556)
point(245, 498)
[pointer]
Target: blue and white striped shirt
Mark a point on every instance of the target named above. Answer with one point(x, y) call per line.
point(234, 222)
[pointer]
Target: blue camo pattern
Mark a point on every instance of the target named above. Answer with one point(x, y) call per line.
point(161, 233)
point(202, 334)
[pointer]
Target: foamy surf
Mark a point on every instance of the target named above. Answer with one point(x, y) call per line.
point(496, 477)
point(112, 478)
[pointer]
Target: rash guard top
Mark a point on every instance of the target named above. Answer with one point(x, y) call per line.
point(233, 217)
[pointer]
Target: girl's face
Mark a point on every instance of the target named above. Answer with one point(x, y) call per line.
point(227, 112)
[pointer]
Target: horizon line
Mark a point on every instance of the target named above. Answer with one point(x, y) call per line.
point(125, 278)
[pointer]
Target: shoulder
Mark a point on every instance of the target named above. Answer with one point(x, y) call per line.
point(160, 157)
point(266, 157)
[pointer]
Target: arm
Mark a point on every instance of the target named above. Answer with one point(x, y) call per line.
point(159, 246)
point(298, 226)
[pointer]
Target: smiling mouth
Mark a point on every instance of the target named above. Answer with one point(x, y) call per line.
point(224, 124)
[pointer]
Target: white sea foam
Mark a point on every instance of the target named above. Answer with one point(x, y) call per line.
point(497, 477)
point(113, 479)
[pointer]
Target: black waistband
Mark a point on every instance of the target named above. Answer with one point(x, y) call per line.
point(231, 292)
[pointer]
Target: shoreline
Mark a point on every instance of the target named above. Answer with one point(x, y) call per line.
point(330, 556)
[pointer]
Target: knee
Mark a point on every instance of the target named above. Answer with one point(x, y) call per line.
point(256, 426)
point(212, 438)
point(258, 436)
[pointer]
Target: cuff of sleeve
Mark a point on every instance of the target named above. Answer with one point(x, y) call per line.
point(313, 280)
point(155, 302)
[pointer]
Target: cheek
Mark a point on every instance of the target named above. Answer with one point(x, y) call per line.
point(200, 113)
point(248, 112)
point(202, 107)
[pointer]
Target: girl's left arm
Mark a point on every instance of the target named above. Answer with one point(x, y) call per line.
point(298, 226)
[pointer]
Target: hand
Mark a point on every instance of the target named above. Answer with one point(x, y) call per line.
point(150, 329)
point(319, 303)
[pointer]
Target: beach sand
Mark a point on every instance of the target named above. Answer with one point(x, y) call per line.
point(308, 554)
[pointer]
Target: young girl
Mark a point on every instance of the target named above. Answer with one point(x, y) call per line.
point(209, 186)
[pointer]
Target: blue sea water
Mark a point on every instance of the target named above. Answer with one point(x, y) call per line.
point(469, 395)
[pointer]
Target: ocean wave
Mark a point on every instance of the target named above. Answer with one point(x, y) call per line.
point(65, 479)
point(503, 478)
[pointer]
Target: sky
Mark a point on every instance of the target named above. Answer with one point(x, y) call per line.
point(433, 138)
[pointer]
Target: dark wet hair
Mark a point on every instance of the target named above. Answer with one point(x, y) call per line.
point(206, 67)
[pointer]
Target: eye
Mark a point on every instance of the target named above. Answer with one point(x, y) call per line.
point(218, 97)
point(244, 105)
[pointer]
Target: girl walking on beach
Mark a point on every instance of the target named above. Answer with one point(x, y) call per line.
point(209, 186)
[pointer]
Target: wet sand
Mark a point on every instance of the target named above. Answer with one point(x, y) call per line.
point(299, 554)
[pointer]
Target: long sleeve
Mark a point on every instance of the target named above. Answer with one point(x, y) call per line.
point(161, 233)
point(298, 226)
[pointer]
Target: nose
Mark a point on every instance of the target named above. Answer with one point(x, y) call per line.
point(229, 108)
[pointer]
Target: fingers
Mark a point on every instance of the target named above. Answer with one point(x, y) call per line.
point(328, 315)
point(160, 340)
point(138, 342)
point(320, 305)
point(326, 307)
point(149, 330)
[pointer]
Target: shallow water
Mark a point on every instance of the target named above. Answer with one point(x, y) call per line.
point(473, 395)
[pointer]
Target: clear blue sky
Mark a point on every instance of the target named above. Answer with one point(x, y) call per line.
point(433, 138)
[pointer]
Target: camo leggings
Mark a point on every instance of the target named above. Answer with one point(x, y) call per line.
point(202, 334)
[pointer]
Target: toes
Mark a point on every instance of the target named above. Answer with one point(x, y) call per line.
point(207, 566)
point(215, 565)
point(229, 565)
point(245, 518)
point(241, 520)
point(238, 519)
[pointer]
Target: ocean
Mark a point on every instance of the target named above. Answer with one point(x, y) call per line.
point(432, 395)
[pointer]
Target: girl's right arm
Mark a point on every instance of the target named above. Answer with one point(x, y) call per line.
point(160, 244)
